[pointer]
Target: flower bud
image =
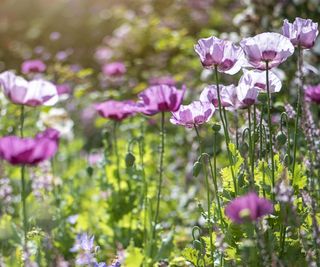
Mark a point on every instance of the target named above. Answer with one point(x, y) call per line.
point(90, 171)
point(196, 168)
point(281, 138)
point(216, 127)
point(130, 159)
point(244, 148)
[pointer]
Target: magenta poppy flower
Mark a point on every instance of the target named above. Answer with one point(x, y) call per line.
point(34, 93)
point(29, 151)
point(254, 81)
point(302, 32)
point(33, 66)
point(227, 95)
point(223, 54)
point(64, 89)
point(116, 110)
point(160, 98)
point(248, 207)
point(270, 47)
point(196, 113)
point(114, 69)
point(312, 93)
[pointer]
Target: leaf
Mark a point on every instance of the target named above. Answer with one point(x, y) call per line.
point(134, 256)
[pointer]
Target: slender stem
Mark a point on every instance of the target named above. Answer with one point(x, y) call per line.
point(23, 187)
point(208, 192)
point(116, 151)
point(225, 129)
point(270, 127)
point(162, 136)
point(251, 146)
point(298, 109)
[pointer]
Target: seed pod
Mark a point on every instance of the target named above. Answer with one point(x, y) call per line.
point(89, 171)
point(130, 159)
point(196, 168)
point(281, 138)
point(216, 127)
point(244, 148)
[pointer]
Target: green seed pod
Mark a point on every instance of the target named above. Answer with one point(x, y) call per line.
point(197, 245)
point(216, 127)
point(89, 170)
point(262, 98)
point(196, 168)
point(281, 138)
point(244, 148)
point(130, 159)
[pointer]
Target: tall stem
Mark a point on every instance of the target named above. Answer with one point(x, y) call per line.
point(270, 127)
point(208, 192)
point(251, 146)
point(23, 186)
point(223, 118)
point(298, 108)
point(162, 136)
point(116, 151)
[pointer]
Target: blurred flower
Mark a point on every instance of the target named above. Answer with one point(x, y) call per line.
point(33, 66)
point(72, 219)
point(63, 89)
point(227, 95)
point(254, 81)
point(43, 180)
point(5, 191)
point(54, 36)
point(270, 47)
point(312, 93)
point(58, 119)
point(61, 55)
point(224, 55)
point(302, 32)
point(84, 245)
point(95, 158)
point(29, 151)
point(116, 110)
point(103, 54)
point(160, 98)
point(195, 113)
point(114, 69)
point(168, 80)
point(115, 263)
point(33, 93)
point(248, 207)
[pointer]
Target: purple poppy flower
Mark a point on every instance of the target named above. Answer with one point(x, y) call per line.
point(116, 110)
point(302, 32)
point(168, 80)
point(312, 93)
point(270, 47)
point(33, 66)
point(196, 113)
point(29, 151)
point(33, 93)
point(63, 89)
point(227, 95)
point(254, 81)
point(248, 207)
point(160, 98)
point(223, 54)
point(114, 69)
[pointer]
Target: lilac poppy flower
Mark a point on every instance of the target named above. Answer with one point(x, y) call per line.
point(227, 95)
point(116, 110)
point(223, 54)
point(302, 32)
point(196, 113)
point(64, 89)
point(160, 98)
point(29, 151)
point(248, 207)
point(254, 81)
point(114, 69)
point(33, 66)
point(33, 93)
point(312, 93)
point(270, 47)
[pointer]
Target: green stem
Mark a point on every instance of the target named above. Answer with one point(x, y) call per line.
point(162, 136)
point(298, 109)
point(116, 151)
point(251, 146)
point(270, 127)
point(23, 187)
point(223, 118)
point(208, 193)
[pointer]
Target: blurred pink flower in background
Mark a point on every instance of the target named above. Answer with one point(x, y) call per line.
point(64, 89)
point(33, 66)
point(30, 151)
point(116, 110)
point(196, 113)
point(114, 69)
point(302, 32)
point(270, 47)
point(160, 98)
point(33, 93)
point(223, 54)
point(312, 93)
point(249, 207)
